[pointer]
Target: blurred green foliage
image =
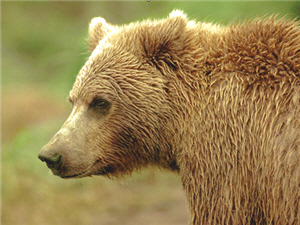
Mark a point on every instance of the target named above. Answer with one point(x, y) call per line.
point(42, 49)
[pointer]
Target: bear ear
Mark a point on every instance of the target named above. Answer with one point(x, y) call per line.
point(162, 41)
point(177, 13)
point(98, 29)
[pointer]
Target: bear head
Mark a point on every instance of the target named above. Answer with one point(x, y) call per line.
point(122, 114)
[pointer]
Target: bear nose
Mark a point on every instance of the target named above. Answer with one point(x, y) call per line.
point(52, 158)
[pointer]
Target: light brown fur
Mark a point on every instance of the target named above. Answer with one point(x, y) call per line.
point(219, 105)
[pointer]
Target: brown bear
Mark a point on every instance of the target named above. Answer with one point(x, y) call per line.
point(218, 105)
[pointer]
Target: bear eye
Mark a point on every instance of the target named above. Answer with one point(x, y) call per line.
point(99, 104)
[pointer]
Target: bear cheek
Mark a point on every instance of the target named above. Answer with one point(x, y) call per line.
point(112, 149)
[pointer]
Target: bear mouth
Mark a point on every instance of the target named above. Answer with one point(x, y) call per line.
point(75, 175)
point(84, 173)
point(89, 172)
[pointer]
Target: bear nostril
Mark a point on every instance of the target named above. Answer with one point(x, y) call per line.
point(53, 161)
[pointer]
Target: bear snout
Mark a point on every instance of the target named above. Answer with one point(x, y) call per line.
point(52, 158)
point(66, 161)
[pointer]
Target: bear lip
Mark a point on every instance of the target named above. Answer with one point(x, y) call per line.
point(73, 176)
point(104, 171)
point(81, 174)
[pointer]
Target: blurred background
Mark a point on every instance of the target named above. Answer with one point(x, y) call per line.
point(42, 49)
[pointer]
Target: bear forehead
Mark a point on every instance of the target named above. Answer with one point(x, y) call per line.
point(116, 64)
point(111, 77)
